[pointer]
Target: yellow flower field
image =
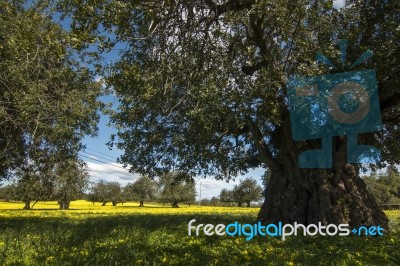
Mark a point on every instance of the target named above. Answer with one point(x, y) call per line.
point(83, 209)
point(157, 235)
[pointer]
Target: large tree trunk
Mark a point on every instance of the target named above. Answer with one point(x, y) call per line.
point(175, 204)
point(27, 205)
point(248, 203)
point(141, 203)
point(328, 195)
point(320, 196)
point(64, 204)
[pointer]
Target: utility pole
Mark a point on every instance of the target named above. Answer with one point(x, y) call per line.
point(200, 192)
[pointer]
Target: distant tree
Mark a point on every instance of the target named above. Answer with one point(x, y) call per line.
point(226, 195)
point(177, 187)
point(90, 194)
point(382, 186)
point(205, 202)
point(144, 189)
point(115, 193)
point(214, 201)
point(7, 192)
point(396, 185)
point(71, 180)
point(247, 191)
point(45, 179)
point(98, 192)
point(396, 193)
point(34, 183)
point(105, 192)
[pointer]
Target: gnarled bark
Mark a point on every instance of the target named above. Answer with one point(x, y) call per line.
point(320, 195)
point(331, 196)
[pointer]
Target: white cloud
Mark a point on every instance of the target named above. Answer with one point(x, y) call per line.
point(211, 187)
point(110, 172)
point(338, 4)
point(100, 79)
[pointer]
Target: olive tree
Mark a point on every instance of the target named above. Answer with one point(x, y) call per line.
point(203, 89)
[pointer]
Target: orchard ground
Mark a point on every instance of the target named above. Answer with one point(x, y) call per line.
point(126, 234)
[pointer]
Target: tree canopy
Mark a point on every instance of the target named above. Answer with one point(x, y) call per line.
point(143, 189)
point(176, 187)
point(48, 100)
point(202, 89)
point(104, 192)
point(202, 84)
point(245, 192)
point(384, 186)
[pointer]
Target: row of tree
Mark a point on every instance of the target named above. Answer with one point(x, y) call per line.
point(169, 188)
point(68, 184)
point(64, 182)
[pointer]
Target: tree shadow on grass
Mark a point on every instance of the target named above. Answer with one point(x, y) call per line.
point(153, 239)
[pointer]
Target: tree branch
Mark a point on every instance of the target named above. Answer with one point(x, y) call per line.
point(232, 5)
point(264, 154)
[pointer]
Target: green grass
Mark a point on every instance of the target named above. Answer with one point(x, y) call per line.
point(157, 235)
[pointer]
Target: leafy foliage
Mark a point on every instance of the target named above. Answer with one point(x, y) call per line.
point(248, 190)
point(143, 189)
point(383, 186)
point(202, 83)
point(48, 101)
point(72, 179)
point(104, 192)
point(65, 182)
point(226, 195)
point(7, 192)
point(33, 185)
point(177, 187)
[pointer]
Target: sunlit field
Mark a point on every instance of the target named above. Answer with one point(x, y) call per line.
point(157, 235)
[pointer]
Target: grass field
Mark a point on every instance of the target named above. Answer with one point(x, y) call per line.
point(157, 235)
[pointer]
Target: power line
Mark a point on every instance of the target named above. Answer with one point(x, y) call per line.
point(102, 153)
point(102, 162)
point(99, 156)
